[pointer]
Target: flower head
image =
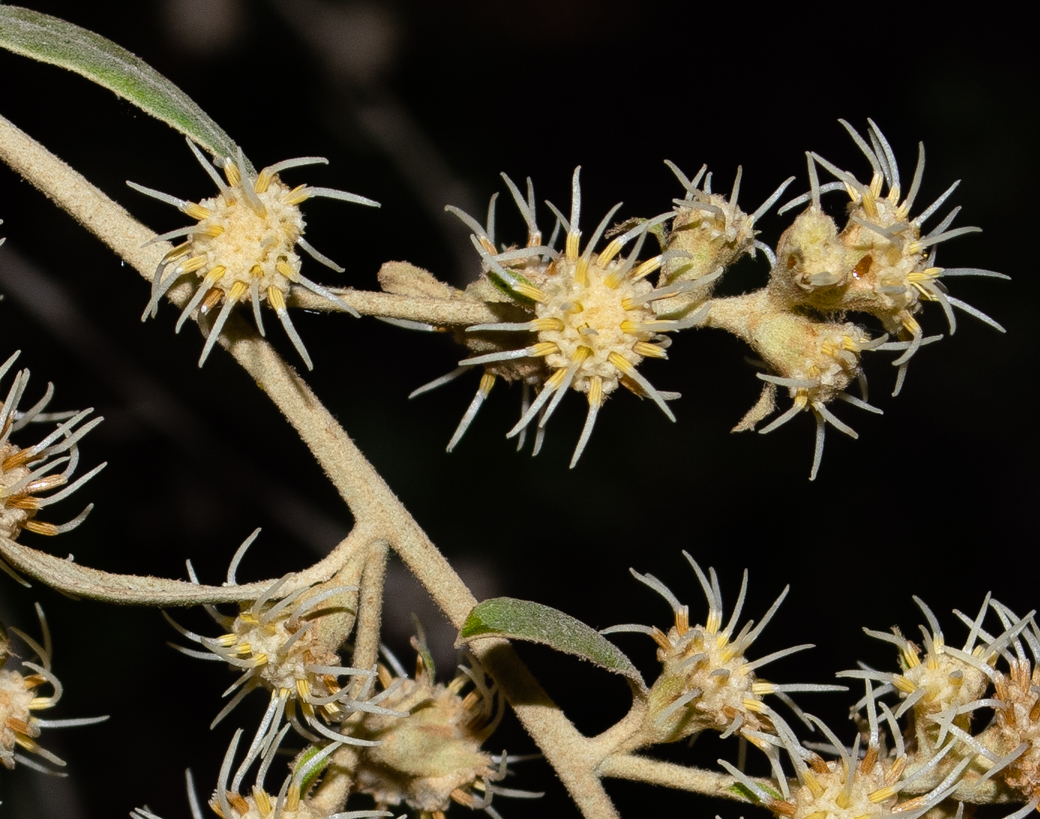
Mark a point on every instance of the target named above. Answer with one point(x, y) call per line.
point(277, 646)
point(20, 699)
point(27, 473)
point(591, 318)
point(857, 785)
point(706, 682)
point(432, 756)
point(244, 245)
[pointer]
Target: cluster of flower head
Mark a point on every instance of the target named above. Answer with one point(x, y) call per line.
point(28, 473)
point(939, 755)
point(244, 245)
point(411, 740)
point(584, 320)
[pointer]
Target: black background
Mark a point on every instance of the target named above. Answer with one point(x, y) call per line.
point(420, 105)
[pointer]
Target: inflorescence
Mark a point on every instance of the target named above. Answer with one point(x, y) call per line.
point(20, 699)
point(26, 474)
point(585, 320)
point(244, 245)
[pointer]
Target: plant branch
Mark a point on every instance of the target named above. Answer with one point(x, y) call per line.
point(363, 489)
point(697, 780)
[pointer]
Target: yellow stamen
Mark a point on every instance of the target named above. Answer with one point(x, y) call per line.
point(609, 252)
point(581, 272)
point(618, 361)
point(232, 174)
point(529, 291)
point(903, 684)
point(572, 246)
point(296, 195)
point(648, 350)
point(238, 290)
point(192, 264)
point(39, 528)
point(646, 268)
point(551, 324)
point(196, 211)
point(263, 801)
point(542, 349)
point(487, 381)
point(595, 391)
point(813, 783)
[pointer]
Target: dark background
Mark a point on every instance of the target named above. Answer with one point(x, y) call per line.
point(420, 105)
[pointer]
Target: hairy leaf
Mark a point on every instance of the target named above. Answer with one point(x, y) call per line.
point(523, 620)
point(52, 40)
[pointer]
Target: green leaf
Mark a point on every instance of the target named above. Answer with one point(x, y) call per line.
point(742, 790)
point(51, 40)
point(523, 620)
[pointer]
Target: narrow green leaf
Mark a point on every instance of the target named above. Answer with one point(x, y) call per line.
point(742, 790)
point(523, 620)
point(52, 40)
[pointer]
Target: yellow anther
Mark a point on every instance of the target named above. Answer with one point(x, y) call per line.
point(263, 802)
point(297, 195)
point(646, 268)
point(263, 181)
point(556, 380)
point(609, 252)
point(618, 361)
point(581, 272)
point(238, 290)
point(487, 381)
point(276, 298)
point(813, 784)
point(552, 323)
point(196, 211)
point(542, 349)
point(232, 174)
point(529, 291)
point(215, 274)
point(903, 684)
point(572, 246)
point(285, 269)
point(192, 264)
point(595, 391)
point(882, 794)
point(648, 350)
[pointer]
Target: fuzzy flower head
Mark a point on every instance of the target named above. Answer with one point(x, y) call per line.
point(857, 785)
point(593, 315)
point(277, 646)
point(1010, 746)
point(244, 246)
point(943, 687)
point(290, 802)
point(20, 699)
point(707, 683)
point(433, 755)
point(816, 362)
point(26, 474)
point(710, 231)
